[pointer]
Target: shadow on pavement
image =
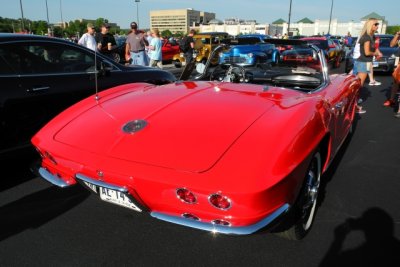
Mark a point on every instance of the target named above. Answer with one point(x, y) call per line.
point(380, 248)
point(38, 208)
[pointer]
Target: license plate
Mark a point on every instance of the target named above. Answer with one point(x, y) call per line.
point(375, 64)
point(117, 197)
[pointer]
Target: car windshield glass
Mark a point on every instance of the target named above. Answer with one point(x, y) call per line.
point(292, 64)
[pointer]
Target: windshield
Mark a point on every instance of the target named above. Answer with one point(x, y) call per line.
point(292, 64)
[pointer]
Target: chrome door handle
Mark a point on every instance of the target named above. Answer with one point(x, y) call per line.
point(35, 89)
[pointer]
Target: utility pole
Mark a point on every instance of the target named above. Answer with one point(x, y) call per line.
point(22, 14)
point(330, 18)
point(48, 21)
point(290, 12)
point(137, 11)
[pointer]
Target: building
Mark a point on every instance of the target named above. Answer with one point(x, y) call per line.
point(307, 27)
point(178, 20)
point(302, 27)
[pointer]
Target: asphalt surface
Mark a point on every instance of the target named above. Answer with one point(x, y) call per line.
point(357, 222)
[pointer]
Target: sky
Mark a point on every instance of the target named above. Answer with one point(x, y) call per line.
point(123, 12)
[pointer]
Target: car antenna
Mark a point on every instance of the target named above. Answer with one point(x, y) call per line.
point(95, 75)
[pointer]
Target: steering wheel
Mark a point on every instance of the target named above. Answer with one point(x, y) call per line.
point(229, 73)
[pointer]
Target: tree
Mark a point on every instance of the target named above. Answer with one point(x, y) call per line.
point(392, 29)
point(166, 33)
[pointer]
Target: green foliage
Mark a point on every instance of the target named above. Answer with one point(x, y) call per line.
point(393, 29)
point(166, 33)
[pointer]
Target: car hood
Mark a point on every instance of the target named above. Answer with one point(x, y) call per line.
point(186, 126)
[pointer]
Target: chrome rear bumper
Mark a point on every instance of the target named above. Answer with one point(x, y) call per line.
point(243, 230)
point(55, 180)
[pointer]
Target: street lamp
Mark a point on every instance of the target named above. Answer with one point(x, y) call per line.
point(22, 14)
point(137, 11)
point(330, 18)
point(48, 22)
point(290, 12)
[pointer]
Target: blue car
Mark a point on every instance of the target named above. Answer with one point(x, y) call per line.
point(250, 50)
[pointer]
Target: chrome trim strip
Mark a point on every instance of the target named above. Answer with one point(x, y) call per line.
point(100, 183)
point(52, 178)
point(243, 230)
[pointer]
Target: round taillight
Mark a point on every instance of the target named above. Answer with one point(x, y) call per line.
point(221, 222)
point(47, 155)
point(190, 216)
point(186, 196)
point(219, 201)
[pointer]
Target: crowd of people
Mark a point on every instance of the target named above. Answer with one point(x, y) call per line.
point(141, 48)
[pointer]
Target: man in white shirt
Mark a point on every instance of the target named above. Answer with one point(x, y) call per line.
point(88, 39)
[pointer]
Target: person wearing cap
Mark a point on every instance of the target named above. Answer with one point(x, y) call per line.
point(135, 46)
point(105, 40)
point(88, 39)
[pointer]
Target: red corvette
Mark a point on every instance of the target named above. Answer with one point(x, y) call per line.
point(243, 150)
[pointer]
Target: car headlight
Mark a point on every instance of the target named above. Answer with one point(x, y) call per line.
point(250, 55)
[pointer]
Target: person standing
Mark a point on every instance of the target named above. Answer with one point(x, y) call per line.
point(155, 49)
point(105, 40)
point(88, 39)
point(149, 37)
point(395, 86)
point(372, 81)
point(363, 63)
point(135, 46)
point(188, 46)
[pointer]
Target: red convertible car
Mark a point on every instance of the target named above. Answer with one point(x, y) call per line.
point(231, 151)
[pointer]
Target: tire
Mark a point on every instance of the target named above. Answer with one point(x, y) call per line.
point(303, 212)
point(177, 64)
point(116, 57)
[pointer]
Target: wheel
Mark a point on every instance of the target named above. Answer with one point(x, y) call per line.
point(303, 212)
point(116, 57)
point(177, 64)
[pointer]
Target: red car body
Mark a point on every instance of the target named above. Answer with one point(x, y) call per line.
point(169, 50)
point(223, 157)
point(331, 50)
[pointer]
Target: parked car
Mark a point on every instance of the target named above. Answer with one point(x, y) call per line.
point(384, 63)
point(342, 48)
point(233, 151)
point(331, 51)
point(118, 53)
point(250, 50)
point(169, 50)
point(204, 44)
point(41, 76)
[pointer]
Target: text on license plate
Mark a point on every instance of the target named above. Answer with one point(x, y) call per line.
point(117, 197)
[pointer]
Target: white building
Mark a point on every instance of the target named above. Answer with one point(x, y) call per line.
point(304, 27)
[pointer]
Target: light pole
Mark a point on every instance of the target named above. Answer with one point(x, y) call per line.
point(62, 21)
point(22, 14)
point(290, 12)
point(48, 22)
point(137, 11)
point(330, 18)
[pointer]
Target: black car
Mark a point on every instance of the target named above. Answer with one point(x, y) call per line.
point(41, 76)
